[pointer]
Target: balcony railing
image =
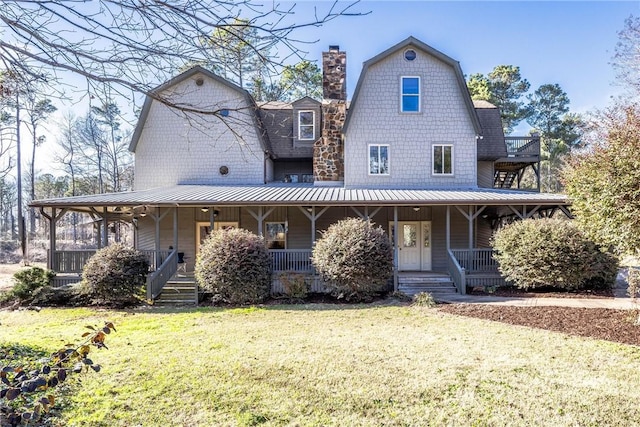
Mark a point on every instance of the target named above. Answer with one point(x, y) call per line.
point(522, 146)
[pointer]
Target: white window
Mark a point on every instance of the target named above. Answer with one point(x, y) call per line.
point(306, 125)
point(276, 235)
point(410, 102)
point(443, 159)
point(378, 159)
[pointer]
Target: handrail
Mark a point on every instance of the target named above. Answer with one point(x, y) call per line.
point(457, 273)
point(157, 279)
point(155, 258)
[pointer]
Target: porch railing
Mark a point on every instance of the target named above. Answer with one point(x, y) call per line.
point(157, 279)
point(70, 261)
point(73, 261)
point(291, 260)
point(476, 260)
point(457, 272)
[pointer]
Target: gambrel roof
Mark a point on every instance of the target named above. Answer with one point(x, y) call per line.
point(191, 72)
point(412, 41)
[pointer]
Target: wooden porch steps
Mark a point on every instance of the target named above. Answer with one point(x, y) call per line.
point(437, 284)
point(178, 291)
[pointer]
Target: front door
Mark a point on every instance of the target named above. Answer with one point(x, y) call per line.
point(409, 246)
point(414, 245)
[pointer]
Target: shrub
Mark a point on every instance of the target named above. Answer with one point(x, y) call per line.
point(355, 258)
point(27, 283)
point(115, 275)
point(550, 252)
point(423, 299)
point(296, 285)
point(235, 266)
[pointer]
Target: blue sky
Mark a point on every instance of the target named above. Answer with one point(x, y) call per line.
point(566, 42)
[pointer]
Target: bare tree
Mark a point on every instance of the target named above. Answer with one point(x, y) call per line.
point(114, 143)
point(37, 111)
point(132, 46)
point(626, 60)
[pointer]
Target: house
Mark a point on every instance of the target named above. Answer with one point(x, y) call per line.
point(411, 151)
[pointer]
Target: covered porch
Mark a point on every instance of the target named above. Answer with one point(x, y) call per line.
point(452, 228)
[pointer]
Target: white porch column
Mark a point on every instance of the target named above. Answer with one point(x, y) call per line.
point(395, 249)
point(313, 216)
point(175, 228)
point(448, 228)
point(260, 217)
point(105, 226)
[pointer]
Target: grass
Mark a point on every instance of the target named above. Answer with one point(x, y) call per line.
point(325, 365)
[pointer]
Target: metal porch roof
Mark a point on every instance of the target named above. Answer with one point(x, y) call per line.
point(302, 195)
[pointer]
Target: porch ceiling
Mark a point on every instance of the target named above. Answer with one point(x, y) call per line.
point(299, 195)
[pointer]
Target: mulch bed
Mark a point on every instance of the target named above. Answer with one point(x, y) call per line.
point(544, 292)
point(599, 323)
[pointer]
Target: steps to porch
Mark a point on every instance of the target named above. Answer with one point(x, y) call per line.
point(179, 290)
point(437, 284)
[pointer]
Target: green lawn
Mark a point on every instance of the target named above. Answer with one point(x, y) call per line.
point(323, 365)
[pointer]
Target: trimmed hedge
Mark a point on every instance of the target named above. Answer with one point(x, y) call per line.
point(552, 252)
point(116, 275)
point(355, 258)
point(235, 266)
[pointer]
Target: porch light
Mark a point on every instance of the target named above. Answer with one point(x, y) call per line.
point(205, 209)
point(416, 208)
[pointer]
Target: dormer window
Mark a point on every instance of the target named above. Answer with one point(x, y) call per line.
point(306, 125)
point(410, 99)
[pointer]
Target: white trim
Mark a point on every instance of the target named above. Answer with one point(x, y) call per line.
point(402, 94)
point(369, 159)
point(313, 125)
point(433, 163)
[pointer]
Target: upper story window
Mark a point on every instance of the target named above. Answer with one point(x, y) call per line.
point(410, 95)
point(443, 159)
point(378, 159)
point(306, 125)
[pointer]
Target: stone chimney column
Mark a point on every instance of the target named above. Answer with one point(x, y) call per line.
point(328, 151)
point(334, 74)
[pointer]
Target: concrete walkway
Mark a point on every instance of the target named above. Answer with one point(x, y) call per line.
point(620, 301)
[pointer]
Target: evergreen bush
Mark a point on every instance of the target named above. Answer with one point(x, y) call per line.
point(551, 252)
point(234, 265)
point(354, 258)
point(116, 275)
point(28, 282)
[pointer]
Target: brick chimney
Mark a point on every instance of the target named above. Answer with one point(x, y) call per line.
point(328, 151)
